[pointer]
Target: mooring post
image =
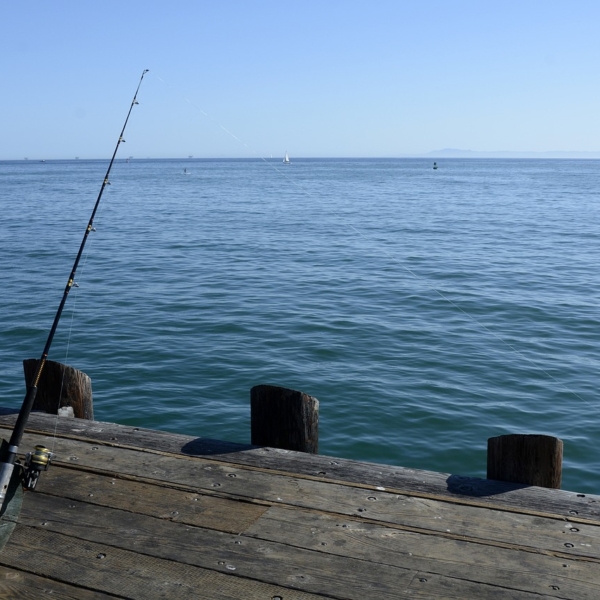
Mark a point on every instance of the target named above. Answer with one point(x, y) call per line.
point(60, 387)
point(283, 418)
point(528, 459)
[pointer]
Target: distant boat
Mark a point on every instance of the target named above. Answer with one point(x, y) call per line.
point(286, 159)
point(435, 165)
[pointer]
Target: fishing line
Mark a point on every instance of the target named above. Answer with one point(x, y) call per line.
point(39, 460)
point(235, 137)
point(81, 274)
point(76, 285)
point(392, 257)
point(75, 297)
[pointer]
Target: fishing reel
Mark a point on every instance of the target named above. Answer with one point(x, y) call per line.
point(35, 462)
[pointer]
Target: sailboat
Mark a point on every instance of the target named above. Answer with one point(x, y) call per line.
point(286, 159)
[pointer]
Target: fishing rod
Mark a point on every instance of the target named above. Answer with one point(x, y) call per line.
point(39, 460)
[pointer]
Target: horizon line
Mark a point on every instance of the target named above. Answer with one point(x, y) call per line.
point(444, 153)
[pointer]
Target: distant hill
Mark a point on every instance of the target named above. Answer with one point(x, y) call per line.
point(456, 153)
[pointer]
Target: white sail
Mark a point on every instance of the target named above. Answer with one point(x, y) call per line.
point(286, 158)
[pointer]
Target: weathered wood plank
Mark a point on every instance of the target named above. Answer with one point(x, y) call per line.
point(229, 516)
point(162, 502)
point(278, 564)
point(504, 567)
point(128, 574)
point(274, 563)
point(409, 481)
point(476, 523)
point(20, 585)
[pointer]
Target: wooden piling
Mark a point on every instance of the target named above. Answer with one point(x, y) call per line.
point(528, 459)
point(61, 386)
point(284, 418)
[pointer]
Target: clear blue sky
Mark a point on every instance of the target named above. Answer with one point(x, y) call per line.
point(316, 78)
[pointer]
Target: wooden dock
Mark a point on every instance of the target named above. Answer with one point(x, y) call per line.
point(131, 513)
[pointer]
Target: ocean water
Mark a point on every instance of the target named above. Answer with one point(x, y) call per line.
point(426, 310)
